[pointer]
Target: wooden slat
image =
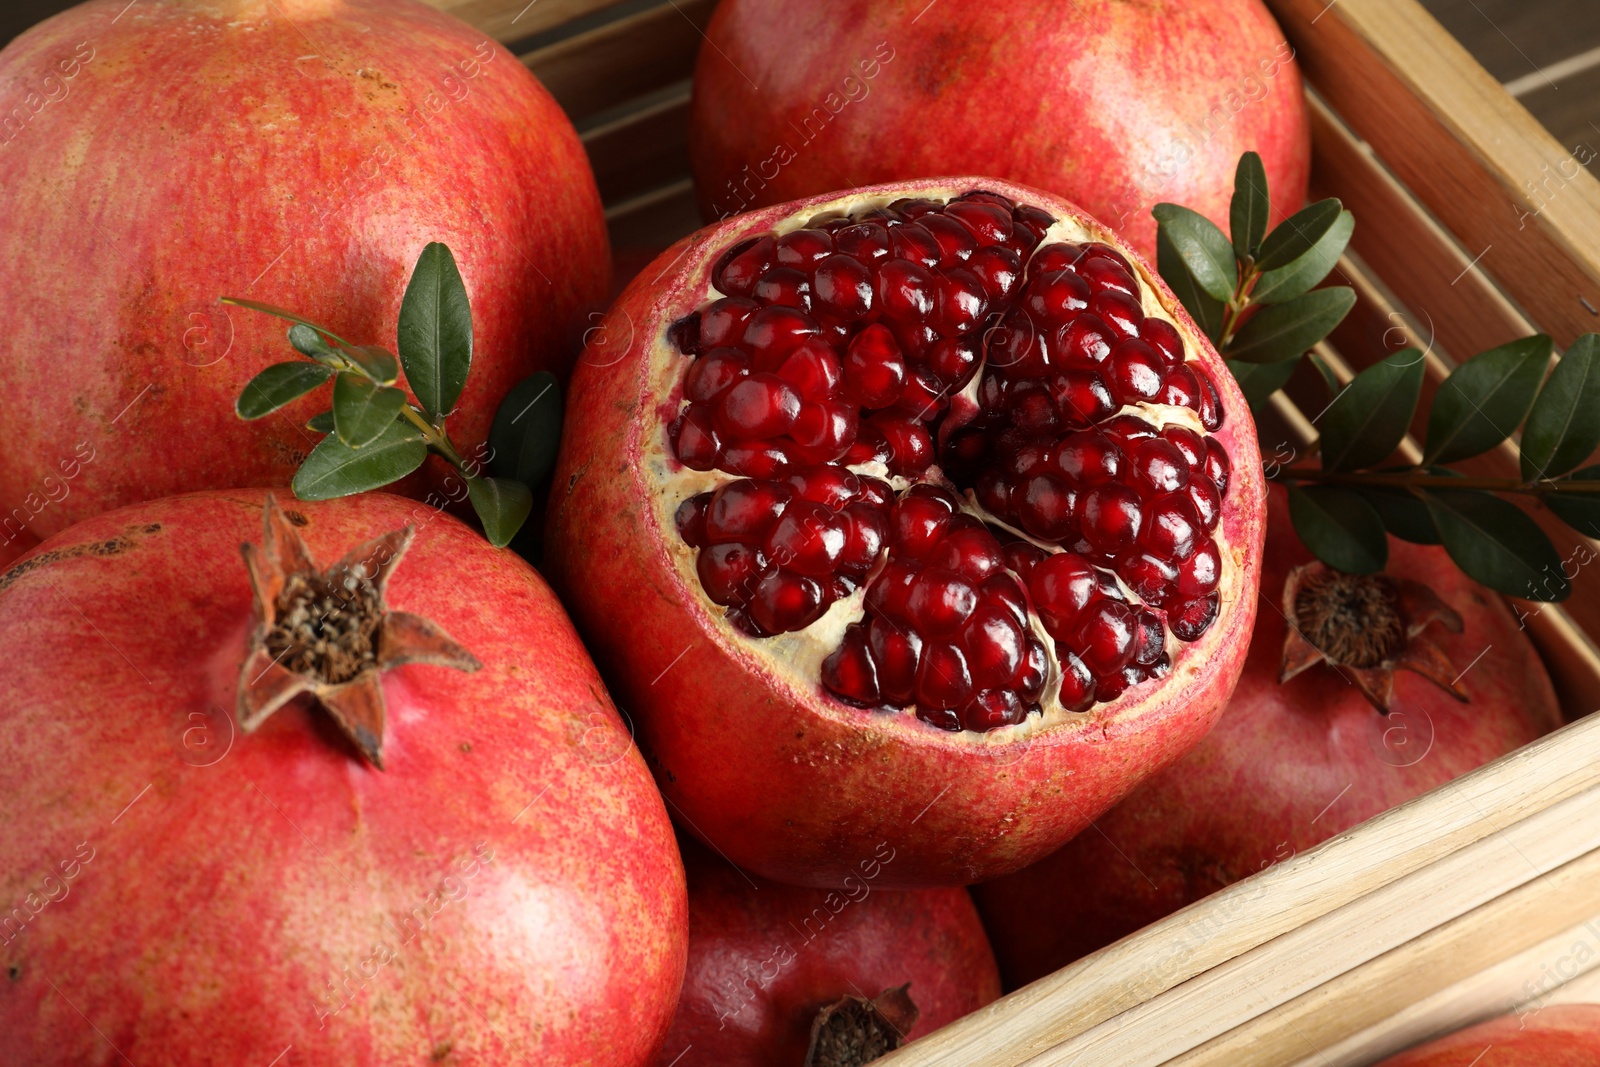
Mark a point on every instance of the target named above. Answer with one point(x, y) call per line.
point(1258, 909)
point(656, 219)
point(610, 65)
point(512, 20)
point(642, 150)
point(1461, 144)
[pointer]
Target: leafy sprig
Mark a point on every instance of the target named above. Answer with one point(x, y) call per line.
point(376, 434)
point(1253, 291)
point(1256, 297)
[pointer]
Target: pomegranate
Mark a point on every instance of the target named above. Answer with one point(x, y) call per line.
point(1297, 759)
point(182, 884)
point(779, 976)
point(1562, 1035)
point(933, 518)
point(157, 156)
point(1116, 106)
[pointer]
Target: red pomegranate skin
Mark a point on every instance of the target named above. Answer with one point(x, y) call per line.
point(1562, 1035)
point(301, 153)
point(1114, 104)
point(506, 890)
point(764, 958)
point(1288, 766)
point(781, 778)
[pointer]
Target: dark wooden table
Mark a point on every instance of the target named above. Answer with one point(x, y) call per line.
point(1546, 51)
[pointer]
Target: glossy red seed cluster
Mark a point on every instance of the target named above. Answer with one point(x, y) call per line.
point(840, 344)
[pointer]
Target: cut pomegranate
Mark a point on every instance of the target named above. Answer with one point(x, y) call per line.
point(933, 458)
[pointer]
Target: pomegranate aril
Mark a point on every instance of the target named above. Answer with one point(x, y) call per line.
point(1152, 579)
point(1103, 637)
point(1189, 619)
point(842, 287)
point(1181, 388)
point(1077, 684)
point(1015, 348)
point(757, 407)
point(1112, 686)
point(910, 444)
point(1037, 218)
point(1128, 428)
point(1022, 557)
point(783, 601)
point(685, 334)
point(923, 396)
point(832, 486)
point(713, 372)
point(990, 224)
point(1055, 299)
point(773, 332)
point(1200, 573)
point(955, 241)
point(1190, 444)
point(808, 539)
point(1046, 506)
point(1033, 409)
point(866, 241)
point(954, 361)
point(1151, 642)
point(729, 573)
point(915, 244)
point(812, 369)
point(801, 249)
point(1061, 586)
point(825, 429)
point(745, 510)
point(1136, 373)
point(866, 532)
point(1111, 518)
point(992, 709)
point(1102, 275)
point(906, 290)
point(1156, 465)
point(1003, 590)
point(1053, 257)
point(962, 302)
point(723, 321)
point(874, 369)
point(694, 439)
point(849, 672)
point(970, 551)
point(690, 519)
point(869, 447)
point(939, 602)
point(943, 680)
point(1171, 527)
point(1088, 458)
point(1218, 465)
point(1210, 402)
point(943, 718)
point(737, 272)
point(1207, 502)
point(1084, 342)
point(913, 208)
point(1082, 397)
point(994, 644)
point(1163, 336)
point(876, 491)
point(785, 286)
point(998, 269)
point(1099, 250)
point(897, 652)
point(919, 520)
point(1119, 311)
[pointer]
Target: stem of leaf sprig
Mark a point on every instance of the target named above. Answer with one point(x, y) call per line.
point(1343, 507)
point(376, 435)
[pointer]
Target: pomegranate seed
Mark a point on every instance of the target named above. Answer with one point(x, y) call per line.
point(1136, 372)
point(1004, 591)
point(1033, 409)
point(943, 718)
point(912, 208)
point(741, 266)
point(1207, 502)
point(992, 709)
point(915, 244)
point(745, 510)
point(1103, 637)
point(723, 321)
point(1047, 507)
point(842, 286)
point(955, 241)
point(813, 370)
point(1189, 619)
point(1097, 250)
point(729, 572)
point(943, 680)
point(808, 539)
point(801, 249)
point(876, 491)
point(1062, 585)
point(825, 430)
point(1037, 218)
point(1171, 528)
point(757, 407)
point(1189, 443)
point(906, 290)
point(1163, 336)
point(1156, 465)
point(1210, 402)
point(1084, 342)
point(874, 370)
point(990, 224)
point(690, 520)
point(695, 440)
point(786, 286)
point(784, 601)
point(713, 372)
point(998, 270)
point(962, 301)
point(1200, 572)
point(953, 361)
point(1088, 458)
point(1111, 518)
point(1151, 642)
point(1218, 465)
point(866, 241)
point(910, 444)
point(685, 334)
point(1077, 684)
point(866, 532)
point(923, 396)
point(1022, 557)
point(994, 644)
point(832, 486)
point(1119, 311)
point(897, 652)
point(1033, 674)
point(1057, 298)
point(1152, 579)
point(1181, 388)
point(849, 672)
point(939, 601)
point(773, 332)
point(1128, 428)
point(919, 520)
point(1103, 275)
point(1054, 257)
point(869, 447)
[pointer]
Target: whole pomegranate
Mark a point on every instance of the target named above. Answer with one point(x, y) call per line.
point(780, 976)
point(1562, 1035)
point(373, 811)
point(1117, 106)
point(1388, 686)
point(929, 521)
point(163, 154)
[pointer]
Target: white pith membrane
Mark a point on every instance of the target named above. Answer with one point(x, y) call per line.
point(801, 652)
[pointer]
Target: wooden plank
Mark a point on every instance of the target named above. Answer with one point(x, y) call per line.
point(1475, 941)
point(1265, 906)
point(1467, 150)
point(513, 20)
point(1571, 109)
point(1513, 38)
point(604, 67)
point(642, 150)
point(656, 219)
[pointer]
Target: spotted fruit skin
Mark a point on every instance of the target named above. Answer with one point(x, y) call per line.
point(297, 153)
point(780, 777)
point(1117, 106)
point(507, 890)
point(764, 958)
point(1288, 766)
point(1561, 1035)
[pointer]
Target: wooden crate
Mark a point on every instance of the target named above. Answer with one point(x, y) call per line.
point(1473, 227)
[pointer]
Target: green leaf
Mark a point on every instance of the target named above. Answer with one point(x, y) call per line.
point(278, 385)
point(283, 313)
point(527, 430)
point(1203, 248)
point(1497, 544)
point(1206, 310)
point(322, 423)
point(335, 469)
point(1368, 420)
point(1485, 399)
point(1340, 528)
point(1258, 381)
point(1403, 514)
point(1564, 427)
point(1298, 234)
point(502, 505)
point(1247, 213)
point(362, 410)
point(1301, 276)
point(436, 331)
point(1581, 511)
point(376, 361)
point(309, 342)
point(1283, 331)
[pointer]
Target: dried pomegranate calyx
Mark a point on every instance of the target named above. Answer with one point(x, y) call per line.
point(1366, 627)
point(327, 632)
point(853, 1030)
